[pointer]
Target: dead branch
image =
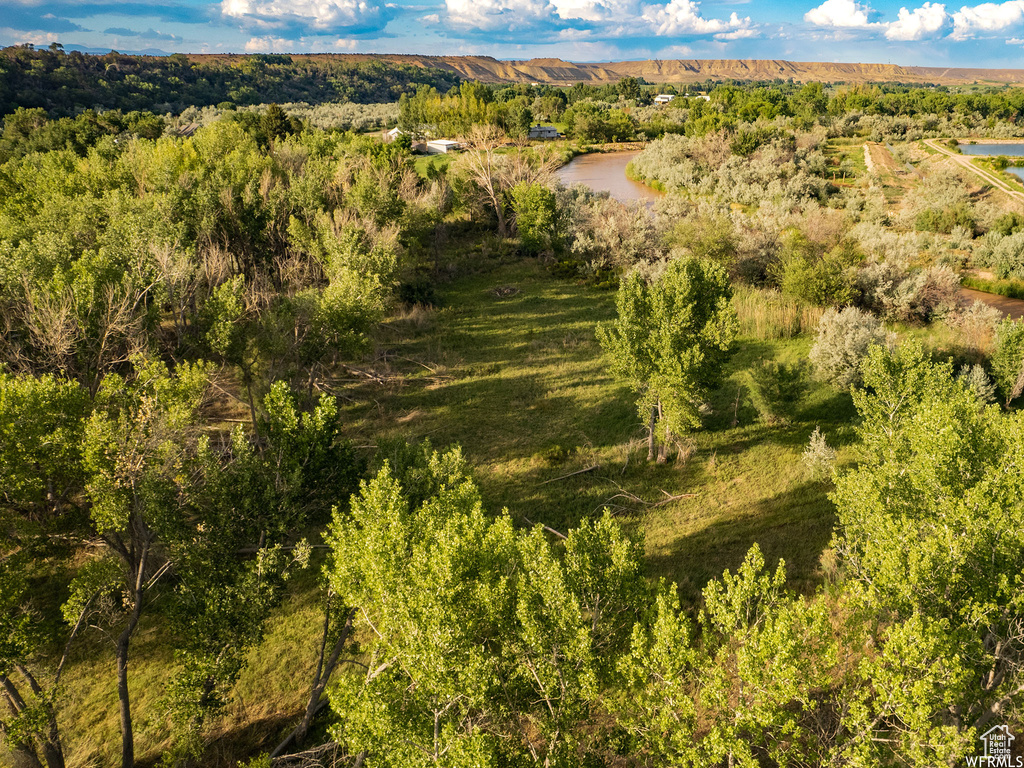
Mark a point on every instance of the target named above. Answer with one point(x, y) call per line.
point(571, 474)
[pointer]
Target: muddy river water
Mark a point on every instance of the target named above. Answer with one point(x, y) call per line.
point(606, 172)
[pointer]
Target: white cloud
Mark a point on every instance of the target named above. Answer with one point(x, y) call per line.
point(270, 44)
point(987, 17)
point(315, 14)
point(738, 34)
point(840, 13)
point(508, 15)
point(927, 21)
point(602, 19)
point(682, 17)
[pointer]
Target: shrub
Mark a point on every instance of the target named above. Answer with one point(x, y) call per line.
point(976, 326)
point(775, 390)
point(844, 338)
point(1008, 359)
point(819, 457)
point(420, 291)
point(826, 281)
point(945, 220)
point(1009, 224)
point(536, 216)
point(978, 383)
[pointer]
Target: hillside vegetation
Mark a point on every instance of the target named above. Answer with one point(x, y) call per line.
point(313, 452)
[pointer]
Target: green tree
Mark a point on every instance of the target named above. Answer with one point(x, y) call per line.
point(504, 657)
point(1008, 359)
point(930, 525)
point(669, 342)
point(536, 216)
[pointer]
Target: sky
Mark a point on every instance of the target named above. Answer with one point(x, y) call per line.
point(989, 34)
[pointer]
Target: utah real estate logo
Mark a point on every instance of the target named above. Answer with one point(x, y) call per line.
point(998, 750)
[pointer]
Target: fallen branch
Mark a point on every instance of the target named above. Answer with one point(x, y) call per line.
point(571, 474)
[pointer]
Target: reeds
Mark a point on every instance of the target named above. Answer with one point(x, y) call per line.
point(766, 314)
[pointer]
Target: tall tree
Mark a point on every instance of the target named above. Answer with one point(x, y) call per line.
point(669, 341)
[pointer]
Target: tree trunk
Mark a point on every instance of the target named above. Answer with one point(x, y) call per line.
point(652, 440)
point(53, 752)
point(123, 644)
point(324, 670)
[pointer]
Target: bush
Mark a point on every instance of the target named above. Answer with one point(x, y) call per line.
point(1008, 359)
point(844, 338)
point(775, 390)
point(819, 457)
point(536, 216)
point(1009, 224)
point(825, 281)
point(978, 383)
point(945, 220)
point(419, 291)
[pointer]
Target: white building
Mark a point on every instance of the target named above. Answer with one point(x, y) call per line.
point(442, 146)
point(663, 98)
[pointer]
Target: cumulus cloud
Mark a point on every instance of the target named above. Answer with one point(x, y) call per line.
point(269, 44)
point(843, 14)
point(503, 15)
point(930, 20)
point(601, 19)
point(682, 17)
point(319, 15)
point(987, 18)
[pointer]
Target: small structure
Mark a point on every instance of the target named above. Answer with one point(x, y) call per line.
point(664, 98)
point(442, 146)
point(543, 132)
point(393, 134)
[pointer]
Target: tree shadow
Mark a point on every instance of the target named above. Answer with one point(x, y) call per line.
point(795, 526)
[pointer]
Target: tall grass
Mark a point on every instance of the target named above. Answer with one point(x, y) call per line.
point(767, 314)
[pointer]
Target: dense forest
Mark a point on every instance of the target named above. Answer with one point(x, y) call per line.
point(317, 452)
point(65, 83)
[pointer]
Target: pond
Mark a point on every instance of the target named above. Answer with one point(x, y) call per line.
point(606, 172)
point(995, 150)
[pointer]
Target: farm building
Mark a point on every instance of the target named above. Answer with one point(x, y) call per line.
point(543, 132)
point(663, 98)
point(442, 146)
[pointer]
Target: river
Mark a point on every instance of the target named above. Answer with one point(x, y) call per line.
point(606, 172)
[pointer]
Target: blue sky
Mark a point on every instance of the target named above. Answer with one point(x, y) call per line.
point(989, 34)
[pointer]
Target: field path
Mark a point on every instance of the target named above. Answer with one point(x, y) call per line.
point(987, 176)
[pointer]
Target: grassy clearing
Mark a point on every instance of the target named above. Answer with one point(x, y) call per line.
point(520, 382)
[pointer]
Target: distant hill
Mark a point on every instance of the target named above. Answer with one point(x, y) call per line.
point(559, 72)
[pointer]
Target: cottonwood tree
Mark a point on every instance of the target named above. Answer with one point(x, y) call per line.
point(931, 523)
point(504, 657)
point(669, 341)
point(135, 449)
point(493, 175)
point(41, 428)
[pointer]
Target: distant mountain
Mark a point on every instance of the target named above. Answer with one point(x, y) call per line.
point(559, 72)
